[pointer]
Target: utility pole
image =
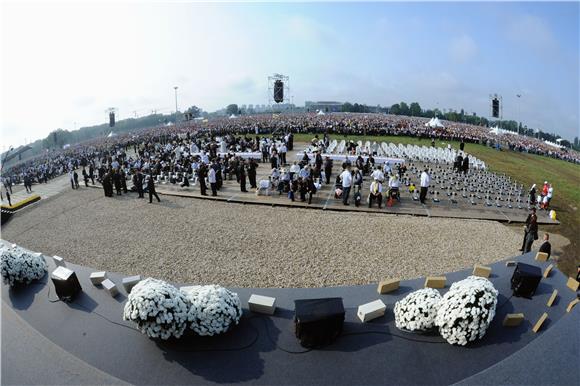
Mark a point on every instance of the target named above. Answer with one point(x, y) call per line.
point(175, 88)
point(519, 112)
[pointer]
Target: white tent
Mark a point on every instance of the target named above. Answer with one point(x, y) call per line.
point(111, 134)
point(320, 112)
point(232, 116)
point(434, 122)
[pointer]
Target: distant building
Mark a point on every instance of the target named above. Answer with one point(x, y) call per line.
point(326, 106)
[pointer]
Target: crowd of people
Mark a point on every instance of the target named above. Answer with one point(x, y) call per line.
point(190, 148)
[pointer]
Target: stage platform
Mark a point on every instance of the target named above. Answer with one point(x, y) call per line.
point(263, 349)
point(324, 200)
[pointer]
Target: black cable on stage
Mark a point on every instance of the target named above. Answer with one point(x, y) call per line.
point(391, 334)
point(276, 344)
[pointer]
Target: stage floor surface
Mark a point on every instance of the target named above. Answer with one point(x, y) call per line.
point(256, 351)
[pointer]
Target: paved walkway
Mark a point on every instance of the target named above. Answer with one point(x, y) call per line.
point(52, 188)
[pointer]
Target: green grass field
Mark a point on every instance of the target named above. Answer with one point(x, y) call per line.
point(527, 169)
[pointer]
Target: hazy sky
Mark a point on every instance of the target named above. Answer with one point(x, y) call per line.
point(64, 63)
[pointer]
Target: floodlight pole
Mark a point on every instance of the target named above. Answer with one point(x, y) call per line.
point(175, 88)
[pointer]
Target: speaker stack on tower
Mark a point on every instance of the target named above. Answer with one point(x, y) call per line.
point(278, 91)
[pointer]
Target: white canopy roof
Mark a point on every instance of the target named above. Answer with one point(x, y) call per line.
point(111, 134)
point(320, 112)
point(434, 122)
point(232, 116)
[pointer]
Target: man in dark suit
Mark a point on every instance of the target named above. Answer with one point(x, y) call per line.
point(151, 189)
point(139, 183)
point(546, 247)
point(201, 174)
point(242, 174)
point(328, 169)
point(252, 165)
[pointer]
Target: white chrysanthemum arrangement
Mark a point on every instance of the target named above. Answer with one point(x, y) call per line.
point(466, 311)
point(417, 311)
point(213, 309)
point(20, 266)
point(159, 309)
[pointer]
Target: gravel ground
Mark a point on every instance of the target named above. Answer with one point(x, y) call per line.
point(202, 242)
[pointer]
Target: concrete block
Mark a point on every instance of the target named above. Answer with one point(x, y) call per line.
point(552, 298)
point(435, 282)
point(98, 277)
point(388, 285)
point(372, 310)
point(572, 284)
point(130, 282)
point(513, 320)
point(262, 304)
point(548, 270)
point(539, 323)
point(481, 270)
point(542, 256)
point(59, 261)
point(110, 287)
point(572, 304)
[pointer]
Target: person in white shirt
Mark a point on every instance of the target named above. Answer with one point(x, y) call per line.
point(376, 190)
point(346, 180)
point(425, 182)
point(394, 184)
point(211, 178)
point(295, 168)
point(377, 174)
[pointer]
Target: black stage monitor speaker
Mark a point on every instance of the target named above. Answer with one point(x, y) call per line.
point(111, 119)
point(66, 283)
point(318, 322)
point(278, 91)
point(525, 280)
point(495, 107)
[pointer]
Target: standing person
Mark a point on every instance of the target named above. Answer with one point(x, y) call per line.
point(92, 173)
point(151, 189)
point(71, 177)
point(211, 178)
point(532, 195)
point(139, 183)
point(532, 233)
point(108, 185)
point(76, 178)
point(8, 195)
point(465, 165)
point(242, 173)
point(85, 177)
point(201, 174)
point(425, 182)
point(123, 179)
point(117, 182)
point(346, 179)
point(274, 160)
point(529, 220)
point(327, 169)
point(282, 152)
point(252, 165)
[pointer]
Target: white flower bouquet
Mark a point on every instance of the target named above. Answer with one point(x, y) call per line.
point(213, 309)
point(159, 309)
point(417, 311)
point(20, 266)
point(466, 311)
